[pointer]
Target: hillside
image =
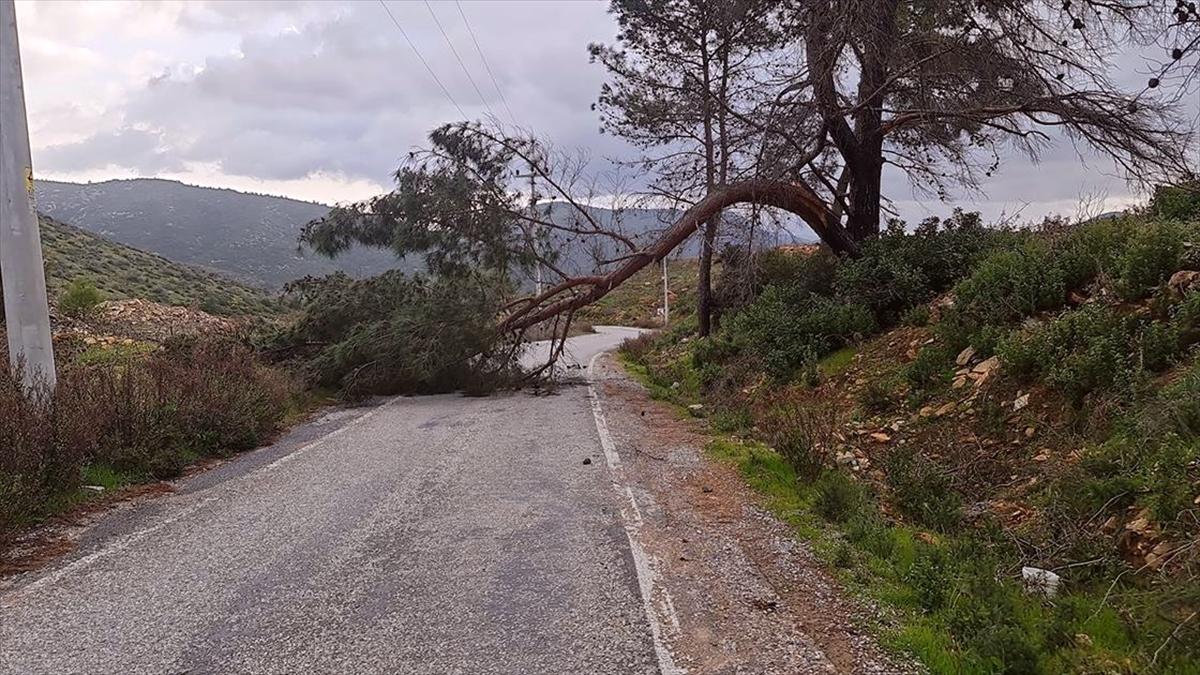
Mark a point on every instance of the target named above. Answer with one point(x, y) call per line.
point(993, 435)
point(250, 237)
point(122, 272)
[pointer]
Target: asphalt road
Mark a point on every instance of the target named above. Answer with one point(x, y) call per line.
point(435, 534)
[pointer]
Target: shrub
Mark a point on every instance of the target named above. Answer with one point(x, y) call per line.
point(1177, 202)
point(899, 270)
point(805, 272)
point(922, 491)
point(932, 369)
point(917, 315)
point(80, 299)
point(800, 435)
point(787, 329)
point(1150, 256)
point(838, 496)
point(1010, 284)
point(148, 416)
point(1079, 352)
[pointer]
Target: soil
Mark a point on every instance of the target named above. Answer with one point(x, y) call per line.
point(748, 596)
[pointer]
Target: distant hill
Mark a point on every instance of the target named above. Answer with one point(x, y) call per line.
point(122, 272)
point(250, 237)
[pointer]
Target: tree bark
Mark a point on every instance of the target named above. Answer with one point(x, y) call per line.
point(704, 279)
point(795, 198)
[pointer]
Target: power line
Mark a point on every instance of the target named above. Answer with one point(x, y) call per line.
point(458, 58)
point(422, 59)
point(486, 66)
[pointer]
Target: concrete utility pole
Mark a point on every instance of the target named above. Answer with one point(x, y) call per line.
point(533, 214)
point(23, 275)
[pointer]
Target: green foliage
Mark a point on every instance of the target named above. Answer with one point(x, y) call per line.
point(917, 315)
point(788, 329)
point(1149, 257)
point(1010, 284)
point(922, 491)
point(932, 369)
point(812, 273)
point(393, 333)
point(1177, 202)
point(838, 496)
point(899, 270)
point(80, 299)
point(1098, 348)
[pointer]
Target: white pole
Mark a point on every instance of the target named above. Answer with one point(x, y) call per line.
point(24, 278)
point(666, 298)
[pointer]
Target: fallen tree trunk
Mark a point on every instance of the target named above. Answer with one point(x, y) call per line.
point(792, 197)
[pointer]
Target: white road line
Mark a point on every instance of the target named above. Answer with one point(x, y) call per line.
point(643, 563)
point(128, 540)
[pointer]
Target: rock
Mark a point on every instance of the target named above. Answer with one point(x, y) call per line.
point(1030, 431)
point(94, 488)
point(696, 409)
point(945, 409)
point(1041, 582)
point(675, 385)
point(927, 411)
point(965, 356)
point(986, 366)
point(1183, 282)
point(880, 437)
point(1021, 402)
point(587, 460)
point(844, 459)
point(1041, 456)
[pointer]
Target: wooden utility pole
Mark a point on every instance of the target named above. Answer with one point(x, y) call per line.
point(22, 272)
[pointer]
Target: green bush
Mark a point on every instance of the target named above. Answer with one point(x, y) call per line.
point(1082, 351)
point(1149, 258)
point(1177, 202)
point(80, 299)
point(813, 273)
point(787, 329)
point(838, 496)
point(899, 270)
point(1010, 284)
point(397, 334)
point(922, 491)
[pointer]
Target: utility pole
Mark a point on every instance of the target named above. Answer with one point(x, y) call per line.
point(666, 297)
point(532, 176)
point(26, 312)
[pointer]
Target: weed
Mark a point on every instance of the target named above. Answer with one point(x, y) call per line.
point(80, 299)
point(838, 496)
point(922, 491)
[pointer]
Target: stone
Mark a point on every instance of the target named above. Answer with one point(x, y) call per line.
point(1021, 402)
point(1041, 582)
point(880, 437)
point(986, 366)
point(965, 356)
point(946, 409)
point(1183, 282)
point(696, 409)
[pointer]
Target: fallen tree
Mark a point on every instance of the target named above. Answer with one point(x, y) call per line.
point(792, 197)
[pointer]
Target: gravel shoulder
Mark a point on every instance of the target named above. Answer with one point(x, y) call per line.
point(747, 597)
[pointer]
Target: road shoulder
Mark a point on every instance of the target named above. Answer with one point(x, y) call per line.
point(746, 595)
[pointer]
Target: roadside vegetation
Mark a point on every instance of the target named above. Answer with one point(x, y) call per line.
point(130, 413)
point(992, 433)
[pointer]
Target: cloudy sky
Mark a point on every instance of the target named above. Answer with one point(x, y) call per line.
point(320, 100)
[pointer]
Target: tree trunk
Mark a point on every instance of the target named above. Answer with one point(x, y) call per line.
point(795, 198)
point(704, 299)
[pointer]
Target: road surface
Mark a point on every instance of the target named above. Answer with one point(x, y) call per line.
point(436, 534)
